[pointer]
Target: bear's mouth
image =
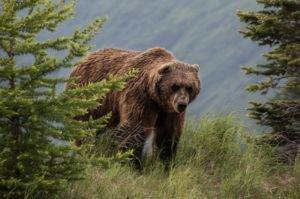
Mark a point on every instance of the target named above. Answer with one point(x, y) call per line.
point(181, 107)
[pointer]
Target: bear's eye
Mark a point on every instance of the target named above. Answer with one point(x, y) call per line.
point(189, 90)
point(175, 87)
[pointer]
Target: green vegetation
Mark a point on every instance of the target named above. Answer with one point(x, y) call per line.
point(217, 158)
point(277, 25)
point(37, 129)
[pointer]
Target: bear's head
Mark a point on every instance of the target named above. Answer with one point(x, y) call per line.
point(174, 85)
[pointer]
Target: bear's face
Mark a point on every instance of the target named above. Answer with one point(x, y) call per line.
point(177, 85)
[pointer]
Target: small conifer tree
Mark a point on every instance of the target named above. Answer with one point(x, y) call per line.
point(37, 129)
point(278, 26)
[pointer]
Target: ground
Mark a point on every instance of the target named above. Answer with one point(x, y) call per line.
point(217, 158)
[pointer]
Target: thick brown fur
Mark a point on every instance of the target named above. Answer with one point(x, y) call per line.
point(154, 100)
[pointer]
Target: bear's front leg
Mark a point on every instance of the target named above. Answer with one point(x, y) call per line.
point(137, 130)
point(167, 146)
point(168, 131)
point(131, 136)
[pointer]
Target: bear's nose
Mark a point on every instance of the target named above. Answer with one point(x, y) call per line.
point(181, 107)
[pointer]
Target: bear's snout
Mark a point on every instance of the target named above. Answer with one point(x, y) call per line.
point(181, 100)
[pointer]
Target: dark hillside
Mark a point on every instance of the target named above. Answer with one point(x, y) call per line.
point(196, 31)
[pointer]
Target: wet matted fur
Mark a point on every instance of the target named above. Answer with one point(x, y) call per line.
point(151, 108)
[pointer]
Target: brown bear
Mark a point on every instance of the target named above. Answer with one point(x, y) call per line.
point(150, 111)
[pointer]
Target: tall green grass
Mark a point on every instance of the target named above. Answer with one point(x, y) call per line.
point(217, 158)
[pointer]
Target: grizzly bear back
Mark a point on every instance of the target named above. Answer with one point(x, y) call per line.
point(103, 63)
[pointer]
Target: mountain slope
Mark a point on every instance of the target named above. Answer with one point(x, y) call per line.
point(195, 31)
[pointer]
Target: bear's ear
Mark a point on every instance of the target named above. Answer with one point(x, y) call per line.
point(195, 66)
point(164, 70)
